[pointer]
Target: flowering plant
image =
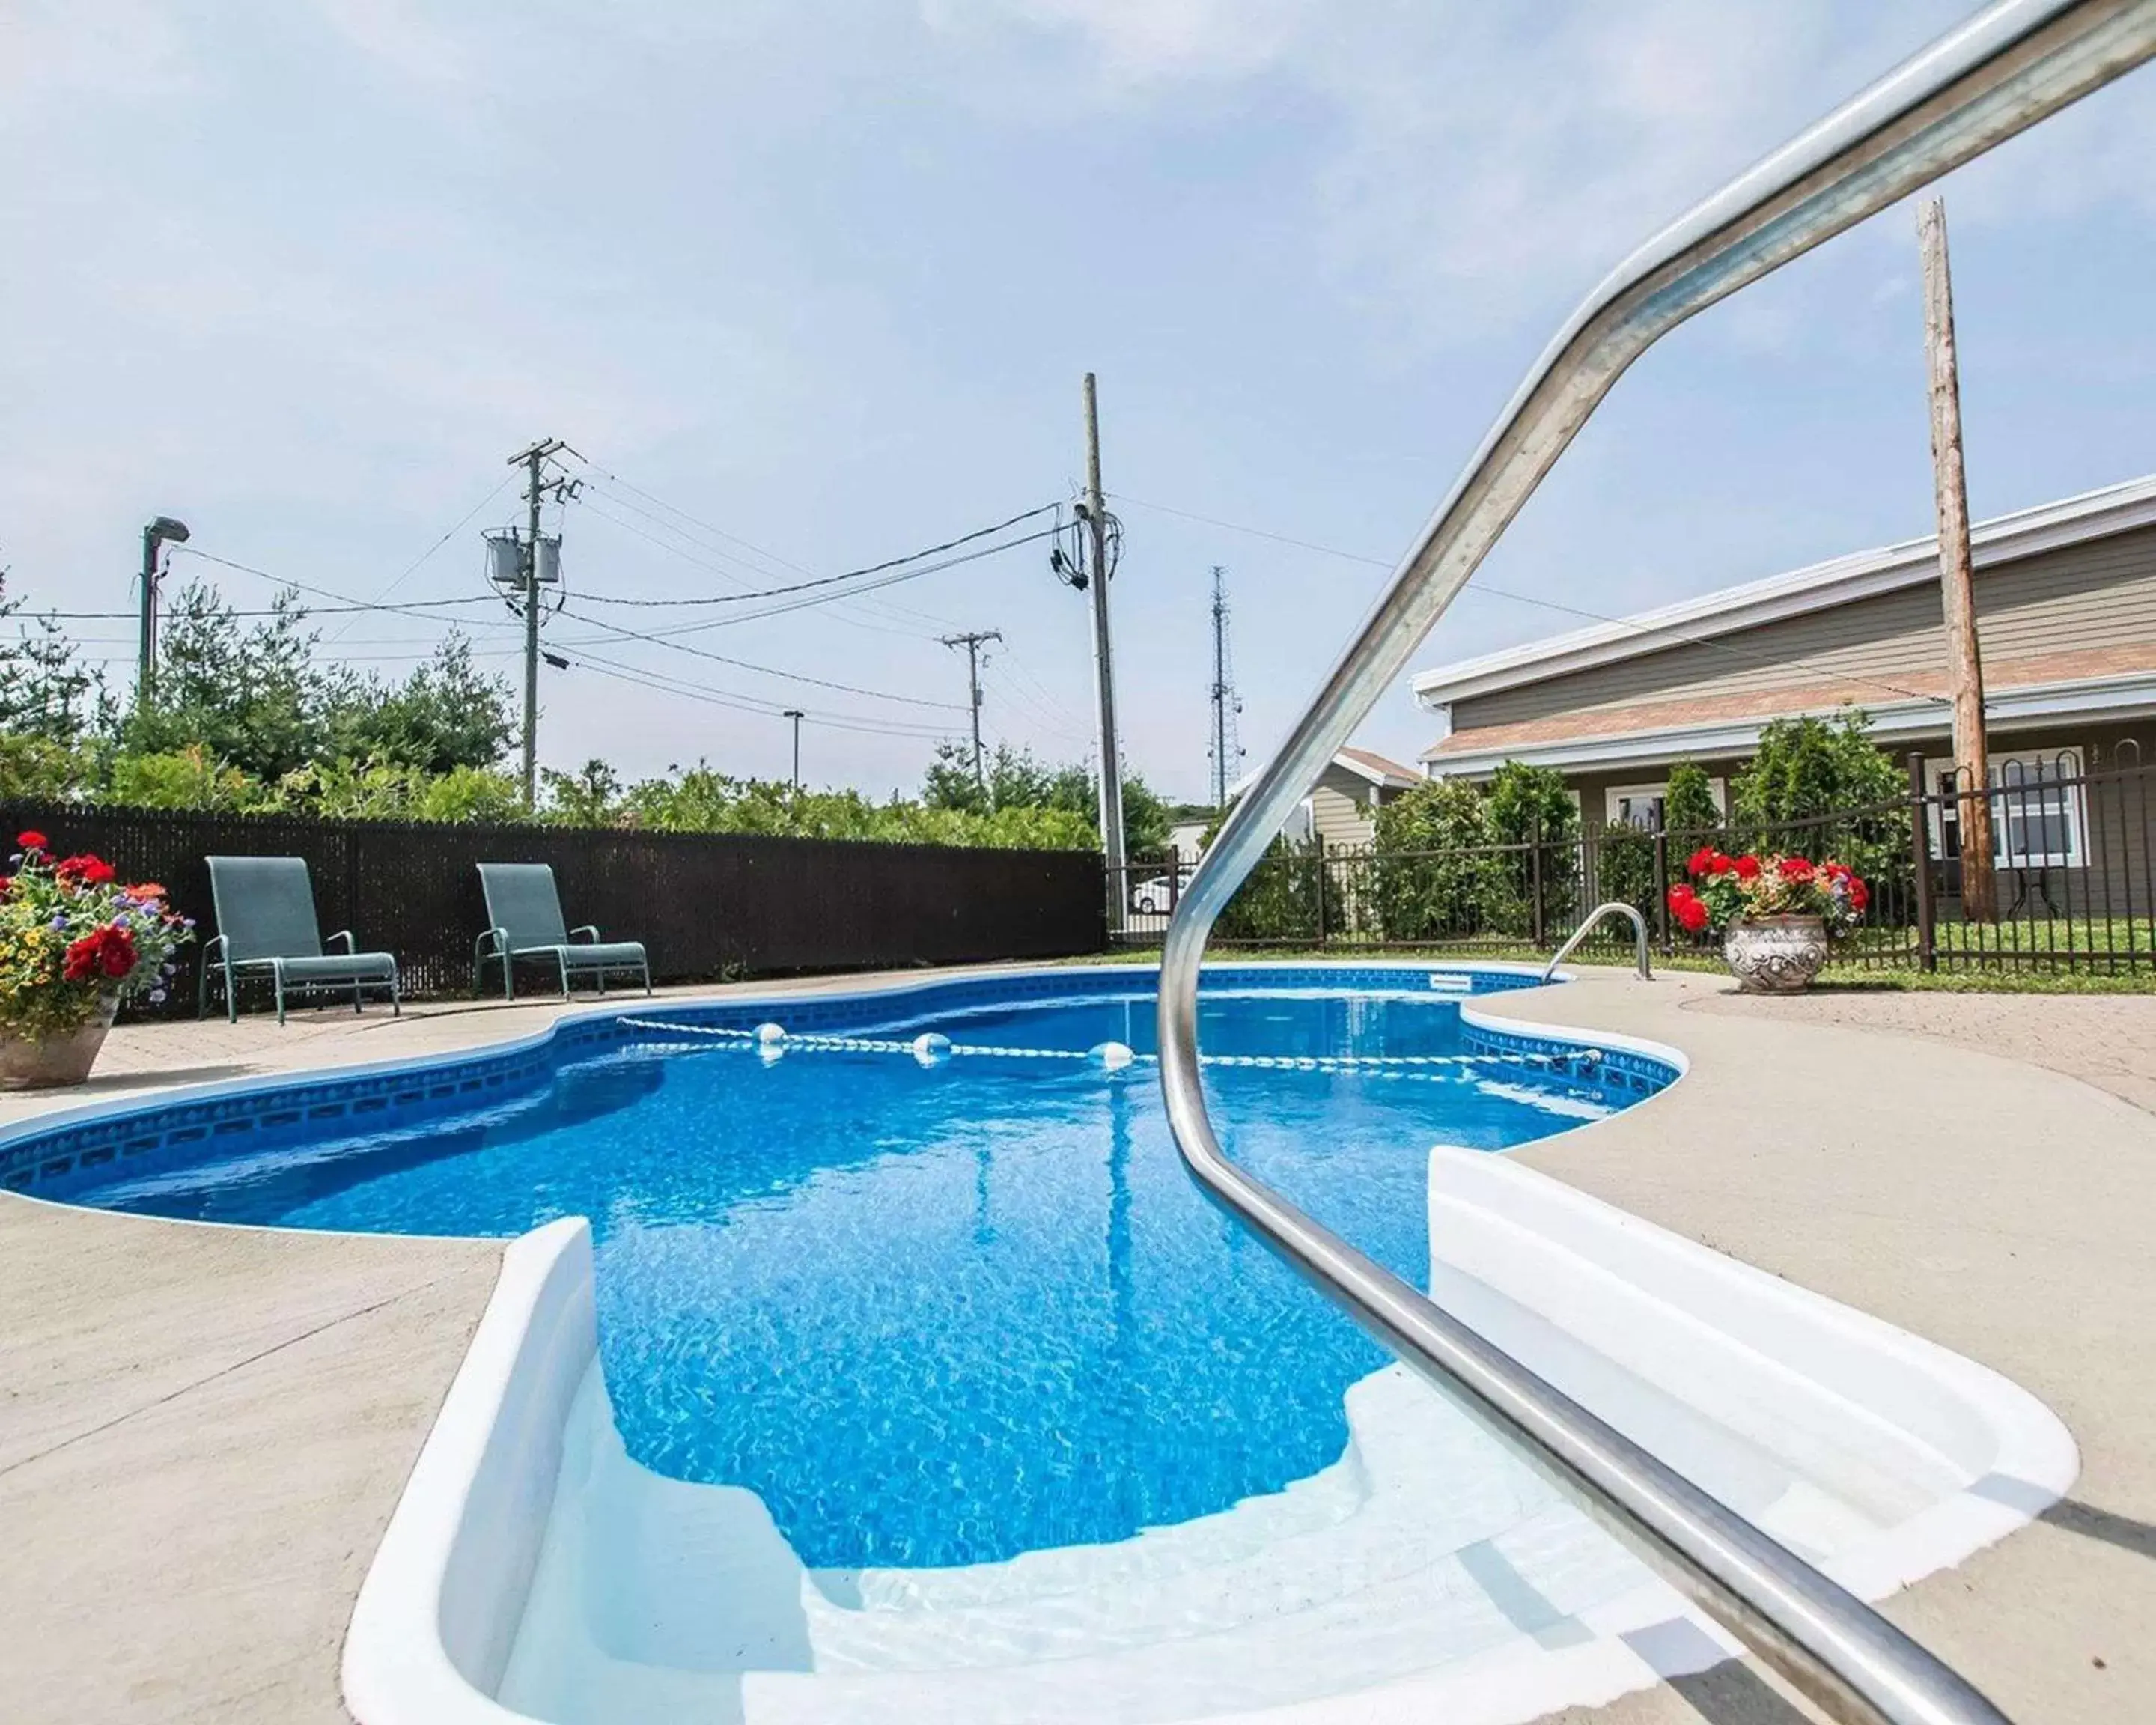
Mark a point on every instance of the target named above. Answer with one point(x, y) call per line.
point(70, 934)
point(1727, 889)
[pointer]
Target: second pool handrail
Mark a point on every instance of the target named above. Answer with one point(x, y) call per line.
point(1616, 907)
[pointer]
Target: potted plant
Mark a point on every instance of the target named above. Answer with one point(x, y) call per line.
point(74, 944)
point(1776, 914)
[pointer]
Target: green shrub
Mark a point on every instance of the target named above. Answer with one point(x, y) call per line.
point(1436, 876)
point(189, 777)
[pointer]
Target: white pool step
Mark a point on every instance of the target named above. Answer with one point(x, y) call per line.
point(1426, 1558)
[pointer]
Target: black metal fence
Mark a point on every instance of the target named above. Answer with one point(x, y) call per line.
point(2074, 858)
point(707, 906)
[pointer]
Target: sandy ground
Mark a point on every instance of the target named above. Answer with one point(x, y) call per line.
point(202, 1431)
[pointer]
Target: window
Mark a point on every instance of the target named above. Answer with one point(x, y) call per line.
point(1644, 805)
point(2038, 812)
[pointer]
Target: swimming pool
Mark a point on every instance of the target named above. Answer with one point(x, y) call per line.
point(910, 1378)
point(940, 1314)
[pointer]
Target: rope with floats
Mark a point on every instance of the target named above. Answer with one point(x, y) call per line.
point(771, 1041)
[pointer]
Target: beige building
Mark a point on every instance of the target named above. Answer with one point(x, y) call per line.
point(2065, 598)
point(1342, 808)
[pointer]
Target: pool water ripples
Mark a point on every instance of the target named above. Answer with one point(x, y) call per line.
point(942, 1314)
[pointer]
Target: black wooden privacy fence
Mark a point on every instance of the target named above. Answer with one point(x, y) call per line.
point(2074, 849)
point(708, 905)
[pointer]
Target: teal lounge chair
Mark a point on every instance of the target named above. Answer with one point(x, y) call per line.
point(525, 912)
point(265, 920)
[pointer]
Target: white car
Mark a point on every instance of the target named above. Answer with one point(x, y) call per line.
point(1156, 897)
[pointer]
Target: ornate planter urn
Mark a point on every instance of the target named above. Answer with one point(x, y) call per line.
point(44, 1062)
point(1775, 955)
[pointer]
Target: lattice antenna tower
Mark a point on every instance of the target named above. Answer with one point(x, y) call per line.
point(1225, 747)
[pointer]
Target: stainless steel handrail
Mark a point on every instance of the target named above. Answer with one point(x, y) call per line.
point(1613, 908)
point(2004, 69)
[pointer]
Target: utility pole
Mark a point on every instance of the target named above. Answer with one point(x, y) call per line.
point(795, 714)
point(1979, 893)
point(1227, 747)
point(533, 461)
point(972, 641)
point(155, 536)
point(1104, 668)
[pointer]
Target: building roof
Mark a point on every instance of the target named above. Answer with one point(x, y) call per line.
point(2093, 514)
point(1364, 764)
point(1378, 768)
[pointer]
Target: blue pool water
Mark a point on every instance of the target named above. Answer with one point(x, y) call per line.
point(943, 1316)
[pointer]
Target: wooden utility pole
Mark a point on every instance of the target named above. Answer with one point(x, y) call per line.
point(1979, 894)
point(973, 640)
point(795, 714)
point(533, 461)
point(1104, 669)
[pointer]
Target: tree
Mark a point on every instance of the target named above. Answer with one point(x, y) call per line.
point(1532, 808)
point(448, 714)
point(1278, 899)
point(1437, 876)
point(246, 696)
point(1688, 806)
point(1803, 792)
point(1015, 778)
point(590, 797)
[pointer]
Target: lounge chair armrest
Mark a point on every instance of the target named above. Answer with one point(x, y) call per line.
point(589, 930)
point(498, 936)
point(215, 942)
point(344, 935)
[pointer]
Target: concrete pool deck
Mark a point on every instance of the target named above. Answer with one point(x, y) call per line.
point(203, 1430)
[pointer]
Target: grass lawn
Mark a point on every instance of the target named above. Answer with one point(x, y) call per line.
point(1843, 977)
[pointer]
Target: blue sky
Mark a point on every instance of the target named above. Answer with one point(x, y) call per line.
point(826, 277)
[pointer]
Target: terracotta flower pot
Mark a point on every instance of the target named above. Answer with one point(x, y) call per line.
point(41, 1062)
point(1775, 955)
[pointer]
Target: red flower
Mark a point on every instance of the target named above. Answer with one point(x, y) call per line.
point(1702, 861)
point(1720, 865)
point(84, 870)
point(1860, 894)
point(117, 955)
point(1796, 870)
point(7, 884)
point(32, 840)
point(1747, 868)
point(1685, 906)
point(148, 890)
point(109, 950)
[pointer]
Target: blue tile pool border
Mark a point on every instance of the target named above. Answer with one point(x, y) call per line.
point(53, 1156)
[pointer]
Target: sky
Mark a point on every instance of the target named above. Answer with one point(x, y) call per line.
point(809, 287)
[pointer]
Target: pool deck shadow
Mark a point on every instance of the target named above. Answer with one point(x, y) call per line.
point(203, 1430)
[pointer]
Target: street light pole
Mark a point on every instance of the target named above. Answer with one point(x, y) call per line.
point(795, 714)
point(164, 530)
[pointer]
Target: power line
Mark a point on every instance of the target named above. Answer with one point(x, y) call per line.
point(665, 684)
point(413, 567)
point(825, 581)
point(409, 607)
point(802, 603)
point(617, 632)
point(893, 617)
point(1709, 642)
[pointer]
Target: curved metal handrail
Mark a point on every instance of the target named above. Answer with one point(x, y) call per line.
point(2004, 69)
point(1615, 908)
